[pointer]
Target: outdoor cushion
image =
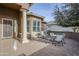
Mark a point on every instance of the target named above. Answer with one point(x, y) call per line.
point(59, 38)
point(51, 34)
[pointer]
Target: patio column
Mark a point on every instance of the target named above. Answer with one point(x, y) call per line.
point(24, 26)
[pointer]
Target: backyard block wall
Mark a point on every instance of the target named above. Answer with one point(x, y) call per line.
point(72, 35)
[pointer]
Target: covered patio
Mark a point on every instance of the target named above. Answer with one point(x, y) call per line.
point(13, 21)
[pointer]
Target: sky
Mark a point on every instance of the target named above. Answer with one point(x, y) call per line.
point(44, 9)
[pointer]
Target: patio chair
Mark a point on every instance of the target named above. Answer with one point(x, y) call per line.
point(45, 36)
point(49, 36)
point(42, 35)
point(52, 36)
point(59, 39)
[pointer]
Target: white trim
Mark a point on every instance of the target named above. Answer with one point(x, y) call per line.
point(15, 27)
point(12, 26)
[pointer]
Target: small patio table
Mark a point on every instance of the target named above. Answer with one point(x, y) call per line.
point(52, 37)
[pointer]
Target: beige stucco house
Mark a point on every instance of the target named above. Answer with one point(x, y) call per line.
point(16, 22)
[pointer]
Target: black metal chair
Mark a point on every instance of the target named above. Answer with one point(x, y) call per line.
point(59, 40)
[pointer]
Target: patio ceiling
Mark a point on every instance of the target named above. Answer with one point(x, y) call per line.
point(13, 6)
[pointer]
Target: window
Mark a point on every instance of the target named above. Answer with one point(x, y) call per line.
point(7, 27)
point(36, 26)
point(27, 26)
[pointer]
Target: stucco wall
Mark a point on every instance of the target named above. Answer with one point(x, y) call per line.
point(44, 26)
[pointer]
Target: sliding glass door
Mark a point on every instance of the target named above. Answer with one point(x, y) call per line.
point(7, 28)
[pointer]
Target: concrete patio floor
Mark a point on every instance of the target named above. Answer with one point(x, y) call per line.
point(38, 48)
point(71, 48)
point(7, 47)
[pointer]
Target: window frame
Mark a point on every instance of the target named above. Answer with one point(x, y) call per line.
point(36, 26)
point(28, 26)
